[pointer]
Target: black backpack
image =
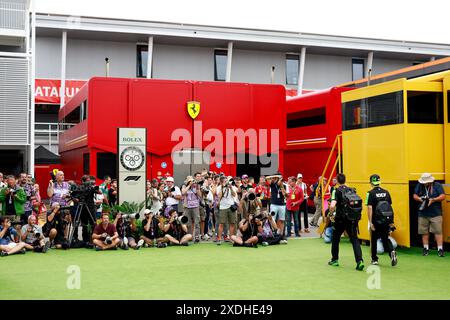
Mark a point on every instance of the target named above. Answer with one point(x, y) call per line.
point(351, 204)
point(384, 214)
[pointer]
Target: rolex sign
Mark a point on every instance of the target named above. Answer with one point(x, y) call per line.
point(131, 158)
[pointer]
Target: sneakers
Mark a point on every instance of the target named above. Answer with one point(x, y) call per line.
point(46, 247)
point(186, 244)
point(235, 244)
point(394, 260)
point(197, 240)
point(226, 239)
point(139, 244)
point(374, 262)
point(334, 263)
point(3, 254)
point(307, 231)
point(425, 252)
point(283, 241)
point(265, 244)
point(441, 253)
point(219, 242)
point(124, 246)
point(161, 245)
point(97, 248)
point(250, 245)
point(360, 265)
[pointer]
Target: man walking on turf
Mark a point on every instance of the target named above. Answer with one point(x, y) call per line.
point(381, 218)
point(345, 211)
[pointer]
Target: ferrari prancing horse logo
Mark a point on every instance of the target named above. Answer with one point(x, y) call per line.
point(193, 108)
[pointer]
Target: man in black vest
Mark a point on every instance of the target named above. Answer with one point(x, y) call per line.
point(378, 201)
point(342, 223)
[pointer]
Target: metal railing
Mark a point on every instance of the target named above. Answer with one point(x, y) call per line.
point(13, 14)
point(47, 134)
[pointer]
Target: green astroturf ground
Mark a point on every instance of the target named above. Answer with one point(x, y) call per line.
point(298, 270)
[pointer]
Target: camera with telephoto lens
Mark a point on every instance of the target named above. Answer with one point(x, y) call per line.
point(424, 204)
point(130, 216)
point(251, 196)
point(108, 240)
point(52, 176)
point(84, 191)
point(181, 220)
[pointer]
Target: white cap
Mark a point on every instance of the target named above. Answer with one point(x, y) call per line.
point(147, 211)
point(299, 176)
point(170, 179)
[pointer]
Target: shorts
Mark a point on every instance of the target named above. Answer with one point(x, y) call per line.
point(193, 215)
point(430, 224)
point(10, 245)
point(227, 216)
point(280, 211)
point(202, 213)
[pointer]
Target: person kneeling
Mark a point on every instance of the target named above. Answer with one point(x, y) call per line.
point(176, 230)
point(125, 228)
point(33, 237)
point(249, 230)
point(268, 232)
point(105, 235)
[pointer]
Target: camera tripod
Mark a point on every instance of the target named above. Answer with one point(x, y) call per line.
point(77, 220)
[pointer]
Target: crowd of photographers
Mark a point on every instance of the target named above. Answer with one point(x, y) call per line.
point(207, 206)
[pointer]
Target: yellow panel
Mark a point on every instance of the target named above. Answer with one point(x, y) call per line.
point(375, 150)
point(432, 77)
point(424, 86)
point(446, 206)
point(400, 204)
point(425, 150)
point(374, 90)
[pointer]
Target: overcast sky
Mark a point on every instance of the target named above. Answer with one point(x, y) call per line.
point(409, 20)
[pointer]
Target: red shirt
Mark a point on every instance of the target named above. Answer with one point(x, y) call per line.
point(263, 190)
point(110, 229)
point(294, 195)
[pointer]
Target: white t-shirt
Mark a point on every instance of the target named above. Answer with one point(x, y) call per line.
point(172, 201)
point(227, 199)
point(99, 197)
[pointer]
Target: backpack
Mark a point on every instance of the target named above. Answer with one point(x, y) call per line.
point(351, 204)
point(384, 214)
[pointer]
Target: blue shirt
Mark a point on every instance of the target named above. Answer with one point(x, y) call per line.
point(7, 237)
point(436, 207)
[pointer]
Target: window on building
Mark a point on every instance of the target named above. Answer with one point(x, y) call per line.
point(292, 66)
point(73, 116)
point(357, 69)
point(306, 118)
point(85, 110)
point(86, 158)
point(141, 61)
point(425, 107)
point(106, 165)
point(220, 65)
point(375, 111)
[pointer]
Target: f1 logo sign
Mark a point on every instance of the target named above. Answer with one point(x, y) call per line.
point(132, 178)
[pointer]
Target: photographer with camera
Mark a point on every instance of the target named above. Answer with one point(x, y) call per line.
point(112, 193)
point(105, 235)
point(262, 191)
point(173, 193)
point(153, 231)
point(248, 227)
point(55, 227)
point(26, 183)
point(293, 202)
point(430, 194)
point(192, 197)
point(13, 199)
point(381, 219)
point(277, 199)
point(176, 229)
point(58, 189)
point(33, 236)
point(8, 238)
point(227, 206)
point(154, 196)
point(201, 180)
point(268, 233)
point(126, 227)
point(250, 204)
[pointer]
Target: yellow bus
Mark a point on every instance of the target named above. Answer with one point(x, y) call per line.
point(399, 130)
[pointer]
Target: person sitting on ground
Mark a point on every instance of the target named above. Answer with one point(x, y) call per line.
point(153, 229)
point(249, 230)
point(176, 231)
point(126, 228)
point(268, 233)
point(33, 236)
point(105, 235)
point(7, 245)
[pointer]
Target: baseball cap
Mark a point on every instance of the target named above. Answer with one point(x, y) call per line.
point(299, 176)
point(375, 179)
point(170, 179)
point(244, 176)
